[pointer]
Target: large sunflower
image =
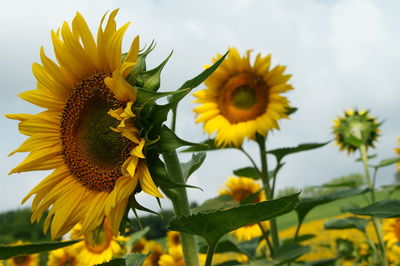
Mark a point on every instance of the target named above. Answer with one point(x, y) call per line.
point(355, 128)
point(88, 133)
point(239, 188)
point(242, 99)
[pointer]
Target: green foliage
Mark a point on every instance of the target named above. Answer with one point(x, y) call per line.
point(7, 252)
point(217, 203)
point(282, 152)
point(249, 172)
point(209, 146)
point(169, 141)
point(213, 225)
point(346, 223)
point(387, 162)
point(114, 262)
point(16, 225)
point(135, 259)
point(193, 164)
point(380, 209)
point(157, 226)
point(289, 252)
point(226, 244)
point(307, 204)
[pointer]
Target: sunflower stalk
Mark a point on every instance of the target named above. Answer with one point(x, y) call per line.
point(371, 183)
point(181, 207)
point(265, 180)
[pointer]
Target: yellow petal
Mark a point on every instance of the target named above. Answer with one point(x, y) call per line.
point(146, 182)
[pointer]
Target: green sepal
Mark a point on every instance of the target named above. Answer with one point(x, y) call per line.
point(145, 97)
point(193, 164)
point(136, 206)
point(140, 65)
point(150, 80)
point(8, 251)
point(161, 177)
point(213, 225)
point(169, 141)
point(249, 172)
point(291, 110)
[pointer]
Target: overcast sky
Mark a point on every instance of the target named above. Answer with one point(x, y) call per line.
point(342, 54)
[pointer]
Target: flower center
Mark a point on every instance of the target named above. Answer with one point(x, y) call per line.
point(243, 97)
point(92, 151)
point(21, 260)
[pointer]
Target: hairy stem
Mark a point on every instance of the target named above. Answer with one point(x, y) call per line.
point(181, 207)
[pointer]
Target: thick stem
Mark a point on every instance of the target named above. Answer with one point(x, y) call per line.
point(265, 179)
point(375, 222)
point(181, 207)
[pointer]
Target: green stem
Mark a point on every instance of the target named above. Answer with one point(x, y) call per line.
point(173, 122)
point(265, 179)
point(265, 236)
point(210, 254)
point(376, 223)
point(181, 207)
point(251, 160)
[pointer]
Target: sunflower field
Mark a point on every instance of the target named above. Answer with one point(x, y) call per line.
point(107, 133)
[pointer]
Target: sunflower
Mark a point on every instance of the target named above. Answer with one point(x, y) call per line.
point(397, 150)
point(173, 258)
point(24, 260)
point(98, 246)
point(67, 256)
point(239, 188)
point(391, 231)
point(173, 239)
point(87, 133)
point(155, 250)
point(354, 129)
point(241, 99)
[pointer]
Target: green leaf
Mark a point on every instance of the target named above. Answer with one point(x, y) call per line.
point(282, 152)
point(9, 251)
point(387, 162)
point(217, 203)
point(289, 252)
point(169, 141)
point(209, 146)
point(369, 157)
point(146, 96)
point(189, 167)
point(249, 172)
point(213, 225)
point(324, 262)
point(226, 244)
point(350, 184)
point(151, 78)
point(299, 238)
point(250, 247)
point(346, 223)
point(135, 259)
point(250, 198)
point(307, 204)
point(381, 209)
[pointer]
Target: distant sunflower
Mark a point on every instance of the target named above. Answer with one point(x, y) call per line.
point(397, 150)
point(354, 129)
point(173, 239)
point(239, 188)
point(88, 133)
point(98, 246)
point(241, 99)
point(391, 231)
point(156, 251)
point(24, 260)
point(67, 256)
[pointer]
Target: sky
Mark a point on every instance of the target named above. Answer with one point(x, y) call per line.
point(342, 54)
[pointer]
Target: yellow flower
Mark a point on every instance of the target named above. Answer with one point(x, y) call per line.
point(155, 250)
point(87, 133)
point(354, 129)
point(242, 99)
point(397, 150)
point(391, 231)
point(240, 188)
point(25, 260)
point(98, 246)
point(67, 256)
point(173, 239)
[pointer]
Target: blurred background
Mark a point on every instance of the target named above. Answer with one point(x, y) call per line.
point(342, 54)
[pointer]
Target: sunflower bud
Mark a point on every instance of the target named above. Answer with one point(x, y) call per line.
point(354, 129)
